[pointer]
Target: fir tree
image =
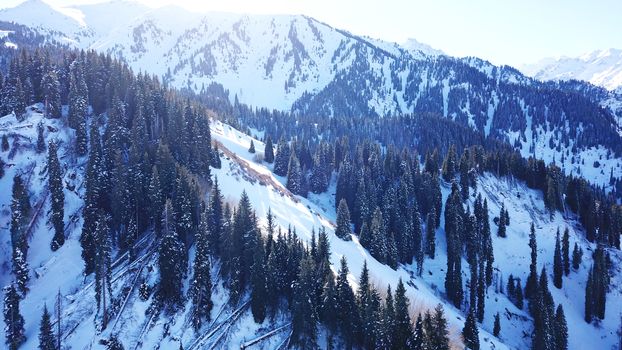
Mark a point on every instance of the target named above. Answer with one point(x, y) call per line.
point(55, 185)
point(46, 336)
point(14, 330)
point(343, 229)
point(251, 149)
point(496, 329)
point(558, 268)
point(470, 332)
point(268, 151)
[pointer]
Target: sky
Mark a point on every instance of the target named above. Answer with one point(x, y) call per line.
point(512, 32)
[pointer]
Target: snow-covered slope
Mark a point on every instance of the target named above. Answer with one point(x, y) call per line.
point(140, 328)
point(414, 45)
point(601, 67)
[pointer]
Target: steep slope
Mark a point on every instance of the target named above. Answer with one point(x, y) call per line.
point(138, 326)
point(601, 67)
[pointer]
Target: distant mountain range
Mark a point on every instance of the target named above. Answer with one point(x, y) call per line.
point(300, 65)
point(602, 68)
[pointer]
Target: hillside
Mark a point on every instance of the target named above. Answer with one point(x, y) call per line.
point(299, 65)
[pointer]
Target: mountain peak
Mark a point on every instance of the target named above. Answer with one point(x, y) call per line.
point(413, 45)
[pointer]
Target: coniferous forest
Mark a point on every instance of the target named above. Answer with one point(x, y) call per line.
point(141, 184)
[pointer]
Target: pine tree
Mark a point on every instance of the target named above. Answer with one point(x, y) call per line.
point(403, 327)
point(46, 336)
point(558, 268)
point(470, 332)
point(577, 256)
point(566, 251)
point(201, 291)
point(496, 329)
point(532, 279)
point(14, 330)
point(430, 230)
point(343, 229)
point(55, 185)
point(268, 151)
point(561, 329)
point(251, 149)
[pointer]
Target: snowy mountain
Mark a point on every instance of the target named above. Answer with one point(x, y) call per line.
point(601, 67)
point(300, 65)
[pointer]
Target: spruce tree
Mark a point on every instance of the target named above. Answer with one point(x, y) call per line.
point(46, 335)
point(577, 256)
point(20, 210)
point(304, 314)
point(259, 284)
point(453, 225)
point(343, 229)
point(502, 225)
point(5, 143)
point(450, 164)
point(440, 339)
point(418, 340)
point(40, 138)
point(92, 202)
point(430, 230)
point(251, 148)
point(403, 327)
point(55, 185)
point(532, 279)
point(282, 157)
point(470, 332)
point(347, 315)
point(20, 270)
point(496, 329)
point(201, 288)
point(51, 94)
point(561, 329)
point(103, 270)
point(268, 151)
point(558, 268)
point(589, 297)
point(14, 330)
point(215, 219)
point(170, 258)
point(294, 175)
point(566, 251)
